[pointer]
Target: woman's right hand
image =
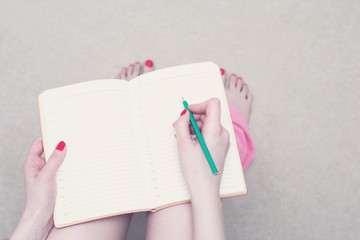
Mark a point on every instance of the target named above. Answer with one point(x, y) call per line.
point(195, 167)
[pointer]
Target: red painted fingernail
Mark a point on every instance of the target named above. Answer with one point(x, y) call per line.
point(60, 146)
point(149, 63)
point(222, 71)
point(183, 112)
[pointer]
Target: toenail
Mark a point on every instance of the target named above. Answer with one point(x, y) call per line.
point(222, 71)
point(149, 63)
point(137, 63)
point(131, 65)
point(233, 75)
point(240, 78)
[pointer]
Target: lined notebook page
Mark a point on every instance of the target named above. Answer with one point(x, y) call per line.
point(101, 174)
point(158, 99)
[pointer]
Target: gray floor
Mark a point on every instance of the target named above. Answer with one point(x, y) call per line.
point(300, 59)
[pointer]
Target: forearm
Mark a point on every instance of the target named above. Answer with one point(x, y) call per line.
point(32, 226)
point(208, 215)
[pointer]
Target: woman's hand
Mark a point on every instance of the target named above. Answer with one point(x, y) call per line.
point(204, 187)
point(36, 221)
point(195, 167)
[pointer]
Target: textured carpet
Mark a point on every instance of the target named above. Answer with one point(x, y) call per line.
point(299, 58)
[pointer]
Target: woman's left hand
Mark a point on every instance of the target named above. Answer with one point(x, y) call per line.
point(40, 186)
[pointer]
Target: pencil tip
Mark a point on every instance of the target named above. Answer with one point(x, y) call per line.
point(183, 98)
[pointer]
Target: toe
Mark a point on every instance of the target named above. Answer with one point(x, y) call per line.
point(223, 76)
point(117, 76)
point(130, 71)
point(122, 74)
point(239, 83)
point(148, 66)
point(244, 89)
point(136, 71)
point(232, 81)
point(249, 96)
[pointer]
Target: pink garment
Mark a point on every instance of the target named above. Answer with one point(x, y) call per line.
point(244, 142)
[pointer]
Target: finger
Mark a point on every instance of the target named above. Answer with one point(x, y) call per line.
point(211, 108)
point(36, 148)
point(34, 163)
point(199, 117)
point(199, 123)
point(181, 126)
point(55, 160)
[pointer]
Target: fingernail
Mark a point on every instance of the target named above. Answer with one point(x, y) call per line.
point(60, 146)
point(183, 112)
point(222, 71)
point(149, 63)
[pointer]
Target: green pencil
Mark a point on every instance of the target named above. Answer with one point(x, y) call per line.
point(201, 140)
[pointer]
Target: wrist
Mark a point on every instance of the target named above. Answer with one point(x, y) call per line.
point(208, 216)
point(33, 225)
point(204, 194)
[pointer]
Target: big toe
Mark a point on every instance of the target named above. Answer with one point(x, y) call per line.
point(148, 66)
point(223, 76)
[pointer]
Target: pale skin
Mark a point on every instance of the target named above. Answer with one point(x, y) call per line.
point(200, 219)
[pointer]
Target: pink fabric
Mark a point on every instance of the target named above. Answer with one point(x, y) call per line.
point(244, 142)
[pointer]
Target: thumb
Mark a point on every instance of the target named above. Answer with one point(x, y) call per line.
point(55, 160)
point(182, 129)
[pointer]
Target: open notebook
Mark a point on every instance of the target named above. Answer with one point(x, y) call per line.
point(122, 156)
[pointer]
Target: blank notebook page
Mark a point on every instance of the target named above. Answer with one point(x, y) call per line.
point(158, 96)
point(100, 174)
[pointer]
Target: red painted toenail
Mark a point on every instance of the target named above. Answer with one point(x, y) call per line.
point(222, 71)
point(233, 75)
point(137, 63)
point(240, 78)
point(149, 63)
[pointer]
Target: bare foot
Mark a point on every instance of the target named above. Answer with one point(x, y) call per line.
point(237, 93)
point(134, 70)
